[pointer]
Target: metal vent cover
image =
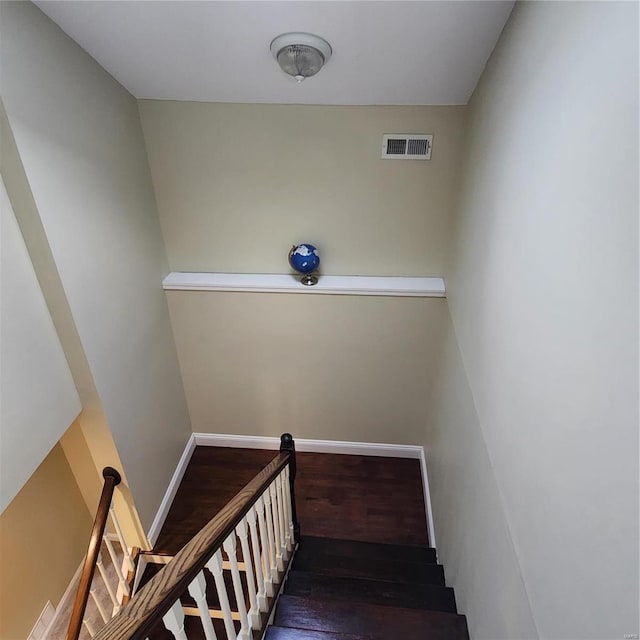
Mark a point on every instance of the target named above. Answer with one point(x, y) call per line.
point(407, 146)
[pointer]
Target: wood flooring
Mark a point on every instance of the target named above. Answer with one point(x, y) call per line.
point(362, 498)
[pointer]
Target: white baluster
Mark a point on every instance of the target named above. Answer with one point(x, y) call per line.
point(289, 511)
point(264, 546)
point(284, 542)
point(229, 545)
point(273, 568)
point(257, 560)
point(89, 626)
point(116, 565)
point(103, 613)
point(110, 591)
point(215, 566)
point(125, 550)
point(174, 621)
point(287, 505)
point(198, 591)
point(254, 611)
point(277, 536)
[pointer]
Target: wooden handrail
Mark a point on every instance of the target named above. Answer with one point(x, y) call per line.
point(139, 616)
point(111, 480)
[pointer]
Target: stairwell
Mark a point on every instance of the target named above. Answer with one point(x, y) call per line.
point(336, 588)
point(349, 590)
point(231, 563)
point(345, 590)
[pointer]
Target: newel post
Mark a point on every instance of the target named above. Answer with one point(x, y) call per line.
point(287, 444)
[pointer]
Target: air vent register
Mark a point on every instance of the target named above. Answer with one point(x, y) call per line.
point(398, 146)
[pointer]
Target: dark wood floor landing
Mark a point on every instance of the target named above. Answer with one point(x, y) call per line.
point(365, 498)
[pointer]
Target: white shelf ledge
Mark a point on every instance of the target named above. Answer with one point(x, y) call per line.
point(287, 283)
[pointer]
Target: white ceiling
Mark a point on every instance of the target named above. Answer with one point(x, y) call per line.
point(392, 52)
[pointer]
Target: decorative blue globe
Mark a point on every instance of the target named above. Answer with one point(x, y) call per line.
point(304, 258)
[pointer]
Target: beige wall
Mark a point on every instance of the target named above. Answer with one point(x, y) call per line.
point(543, 292)
point(359, 371)
point(43, 537)
point(78, 135)
point(38, 399)
point(238, 184)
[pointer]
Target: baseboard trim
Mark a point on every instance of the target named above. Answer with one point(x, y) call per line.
point(310, 446)
point(427, 500)
point(170, 493)
point(415, 452)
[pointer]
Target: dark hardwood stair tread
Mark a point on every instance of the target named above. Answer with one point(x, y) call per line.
point(367, 550)
point(380, 568)
point(289, 633)
point(372, 621)
point(358, 590)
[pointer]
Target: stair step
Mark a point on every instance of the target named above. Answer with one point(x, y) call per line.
point(367, 550)
point(369, 621)
point(288, 633)
point(379, 568)
point(414, 596)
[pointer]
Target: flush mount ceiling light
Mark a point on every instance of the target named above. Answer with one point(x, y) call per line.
point(301, 55)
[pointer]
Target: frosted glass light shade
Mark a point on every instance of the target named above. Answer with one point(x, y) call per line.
point(301, 55)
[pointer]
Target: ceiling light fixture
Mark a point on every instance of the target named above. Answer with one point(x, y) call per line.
point(301, 55)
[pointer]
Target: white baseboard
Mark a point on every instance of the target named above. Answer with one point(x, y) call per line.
point(310, 446)
point(415, 452)
point(427, 500)
point(238, 442)
point(170, 493)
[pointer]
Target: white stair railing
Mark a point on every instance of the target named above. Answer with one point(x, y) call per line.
point(198, 590)
point(128, 558)
point(262, 518)
point(107, 584)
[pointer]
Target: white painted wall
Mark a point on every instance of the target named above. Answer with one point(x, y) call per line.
point(474, 542)
point(79, 138)
point(38, 400)
point(543, 292)
point(98, 448)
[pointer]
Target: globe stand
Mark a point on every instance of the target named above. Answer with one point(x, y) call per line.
point(309, 280)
